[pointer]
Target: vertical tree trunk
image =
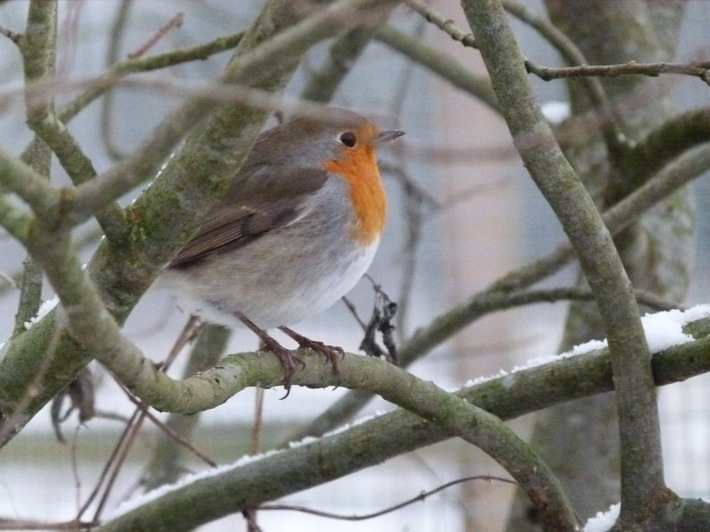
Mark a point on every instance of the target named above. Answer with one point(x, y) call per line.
point(579, 440)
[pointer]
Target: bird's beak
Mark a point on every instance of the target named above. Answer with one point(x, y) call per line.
point(386, 136)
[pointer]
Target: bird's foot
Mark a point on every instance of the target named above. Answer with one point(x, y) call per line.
point(289, 361)
point(287, 357)
point(332, 354)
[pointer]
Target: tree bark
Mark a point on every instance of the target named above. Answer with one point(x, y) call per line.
point(580, 439)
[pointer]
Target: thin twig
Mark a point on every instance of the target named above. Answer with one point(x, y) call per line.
point(112, 53)
point(10, 34)
point(107, 467)
point(632, 68)
point(414, 220)
point(440, 21)
point(108, 79)
point(251, 515)
point(129, 435)
point(9, 280)
point(168, 430)
point(353, 310)
point(418, 498)
point(173, 23)
point(446, 66)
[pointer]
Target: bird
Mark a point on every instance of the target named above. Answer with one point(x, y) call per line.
point(294, 232)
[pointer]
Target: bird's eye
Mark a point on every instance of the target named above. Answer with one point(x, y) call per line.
point(348, 139)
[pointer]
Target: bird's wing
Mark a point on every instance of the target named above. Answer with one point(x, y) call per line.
point(234, 222)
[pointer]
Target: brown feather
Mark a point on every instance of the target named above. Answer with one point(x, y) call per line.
point(234, 222)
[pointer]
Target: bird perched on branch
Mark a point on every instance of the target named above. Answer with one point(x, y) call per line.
point(296, 230)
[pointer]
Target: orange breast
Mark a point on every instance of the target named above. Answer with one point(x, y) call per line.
point(359, 167)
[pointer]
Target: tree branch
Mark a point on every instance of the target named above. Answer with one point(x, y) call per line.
point(642, 462)
point(440, 21)
point(445, 66)
point(675, 136)
point(120, 70)
point(42, 197)
point(38, 49)
point(342, 56)
point(632, 68)
point(374, 441)
point(614, 137)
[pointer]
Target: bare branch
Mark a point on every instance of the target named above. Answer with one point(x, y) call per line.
point(399, 432)
point(112, 55)
point(12, 35)
point(632, 68)
point(175, 22)
point(613, 135)
point(418, 498)
point(639, 426)
point(42, 197)
point(439, 63)
point(456, 417)
point(145, 64)
point(445, 24)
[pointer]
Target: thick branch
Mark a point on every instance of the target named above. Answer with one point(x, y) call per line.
point(613, 135)
point(675, 136)
point(396, 433)
point(39, 55)
point(41, 196)
point(642, 463)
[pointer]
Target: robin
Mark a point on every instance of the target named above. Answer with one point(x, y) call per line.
point(294, 233)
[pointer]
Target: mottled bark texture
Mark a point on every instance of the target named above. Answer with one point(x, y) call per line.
point(580, 439)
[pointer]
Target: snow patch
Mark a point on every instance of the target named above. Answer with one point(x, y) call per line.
point(665, 329)
point(140, 500)
point(662, 329)
point(581, 349)
point(144, 498)
point(44, 309)
point(556, 112)
point(603, 521)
